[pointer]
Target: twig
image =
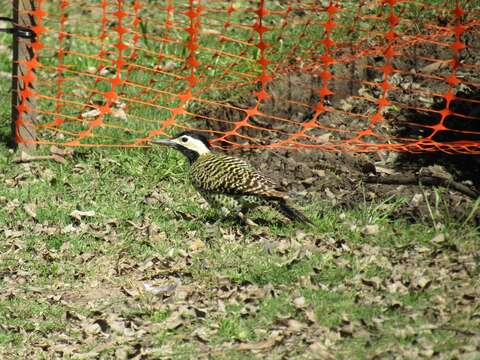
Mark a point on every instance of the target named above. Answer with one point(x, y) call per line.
point(25, 158)
point(422, 180)
point(57, 155)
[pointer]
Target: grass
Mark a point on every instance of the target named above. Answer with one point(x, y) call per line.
point(147, 273)
point(362, 295)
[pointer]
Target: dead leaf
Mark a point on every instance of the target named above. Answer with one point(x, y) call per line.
point(105, 71)
point(70, 228)
point(384, 170)
point(310, 314)
point(439, 238)
point(420, 282)
point(416, 200)
point(118, 326)
point(64, 349)
point(91, 114)
point(374, 282)
point(434, 66)
point(397, 287)
point(168, 66)
point(293, 259)
point(60, 152)
point(330, 194)
point(78, 214)
point(319, 173)
point(295, 325)
point(159, 290)
point(48, 175)
point(197, 245)
point(202, 334)
point(118, 113)
point(174, 321)
point(12, 234)
point(87, 355)
point(92, 328)
point(309, 181)
point(31, 209)
point(121, 353)
point(262, 345)
point(320, 351)
point(436, 171)
point(323, 138)
point(370, 229)
point(249, 309)
point(299, 302)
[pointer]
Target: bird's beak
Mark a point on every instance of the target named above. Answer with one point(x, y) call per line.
point(164, 142)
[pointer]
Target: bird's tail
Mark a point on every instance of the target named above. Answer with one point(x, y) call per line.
point(292, 213)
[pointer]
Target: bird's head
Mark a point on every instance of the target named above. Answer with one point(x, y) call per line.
point(190, 144)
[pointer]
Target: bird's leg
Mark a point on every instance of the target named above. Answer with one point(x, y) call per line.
point(245, 207)
point(245, 220)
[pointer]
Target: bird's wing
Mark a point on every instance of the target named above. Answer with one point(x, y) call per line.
point(230, 175)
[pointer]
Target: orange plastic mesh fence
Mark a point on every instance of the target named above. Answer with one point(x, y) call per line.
point(335, 75)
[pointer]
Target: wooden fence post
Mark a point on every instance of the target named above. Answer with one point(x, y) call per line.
point(22, 52)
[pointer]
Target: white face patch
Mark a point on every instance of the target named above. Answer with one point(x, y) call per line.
point(192, 144)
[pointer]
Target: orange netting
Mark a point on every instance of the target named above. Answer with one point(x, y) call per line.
point(336, 75)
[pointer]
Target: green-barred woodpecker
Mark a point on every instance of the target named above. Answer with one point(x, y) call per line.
point(227, 182)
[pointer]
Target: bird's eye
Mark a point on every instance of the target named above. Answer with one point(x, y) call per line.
point(184, 139)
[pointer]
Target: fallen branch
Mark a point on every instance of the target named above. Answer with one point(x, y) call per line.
point(25, 158)
point(422, 180)
point(57, 155)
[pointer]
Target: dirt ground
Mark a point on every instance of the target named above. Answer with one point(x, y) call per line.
point(340, 179)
